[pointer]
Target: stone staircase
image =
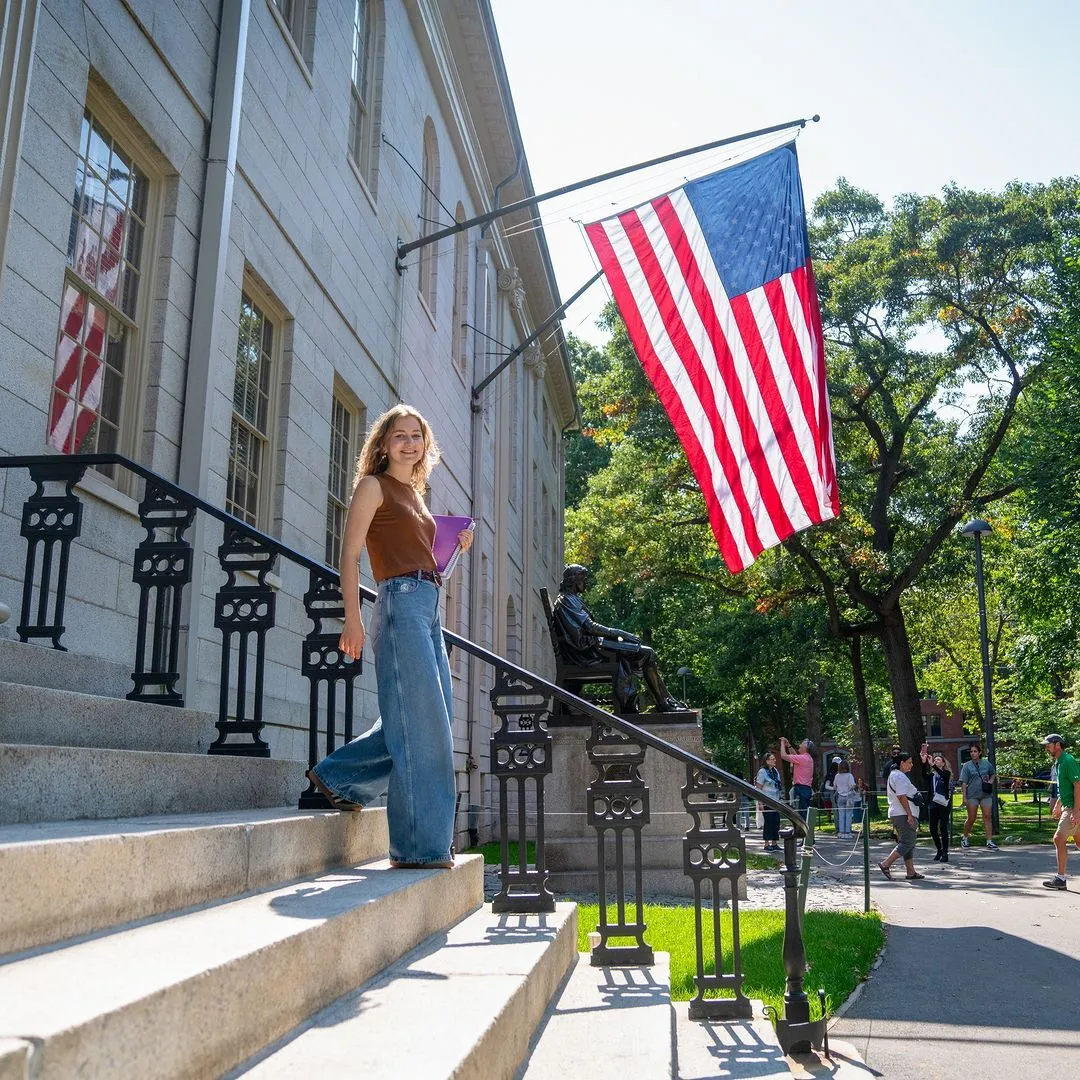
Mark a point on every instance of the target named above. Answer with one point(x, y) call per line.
point(164, 913)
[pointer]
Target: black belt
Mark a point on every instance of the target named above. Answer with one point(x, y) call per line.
point(420, 575)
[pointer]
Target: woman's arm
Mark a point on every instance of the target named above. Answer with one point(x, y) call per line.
point(366, 499)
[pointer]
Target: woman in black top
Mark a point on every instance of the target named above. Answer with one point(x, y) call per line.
point(938, 787)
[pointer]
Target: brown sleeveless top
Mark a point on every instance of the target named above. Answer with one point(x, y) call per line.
point(401, 533)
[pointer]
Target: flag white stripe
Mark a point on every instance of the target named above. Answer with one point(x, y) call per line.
point(741, 366)
point(702, 341)
point(680, 379)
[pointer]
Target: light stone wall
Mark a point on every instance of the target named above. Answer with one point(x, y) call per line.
point(319, 252)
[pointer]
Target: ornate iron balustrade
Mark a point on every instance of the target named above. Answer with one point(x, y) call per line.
point(520, 747)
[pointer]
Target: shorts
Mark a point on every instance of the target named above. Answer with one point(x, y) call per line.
point(985, 803)
point(1068, 824)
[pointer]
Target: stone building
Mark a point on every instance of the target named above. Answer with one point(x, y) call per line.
point(200, 205)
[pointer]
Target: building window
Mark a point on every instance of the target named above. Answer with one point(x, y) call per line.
point(346, 423)
point(365, 89)
point(249, 442)
point(427, 281)
point(298, 16)
point(94, 380)
point(459, 347)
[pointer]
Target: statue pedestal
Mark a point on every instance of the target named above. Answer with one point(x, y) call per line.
point(571, 844)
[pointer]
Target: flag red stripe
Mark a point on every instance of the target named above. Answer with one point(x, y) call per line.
point(691, 362)
point(725, 363)
point(793, 357)
point(779, 420)
point(807, 290)
point(665, 391)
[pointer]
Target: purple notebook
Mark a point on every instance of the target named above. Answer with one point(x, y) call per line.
point(446, 548)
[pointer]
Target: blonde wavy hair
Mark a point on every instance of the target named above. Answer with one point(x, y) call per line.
point(374, 459)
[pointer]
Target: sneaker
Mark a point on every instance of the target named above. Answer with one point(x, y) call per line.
point(991, 845)
point(964, 842)
point(1056, 882)
point(937, 857)
point(944, 858)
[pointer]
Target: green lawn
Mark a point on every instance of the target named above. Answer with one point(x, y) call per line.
point(1019, 823)
point(492, 852)
point(840, 947)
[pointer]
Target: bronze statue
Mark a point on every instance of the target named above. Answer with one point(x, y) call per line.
point(585, 642)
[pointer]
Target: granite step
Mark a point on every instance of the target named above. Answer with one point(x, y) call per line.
point(194, 995)
point(65, 783)
point(42, 665)
point(44, 716)
point(65, 879)
point(461, 1006)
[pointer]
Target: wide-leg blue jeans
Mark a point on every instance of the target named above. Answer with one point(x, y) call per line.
point(408, 754)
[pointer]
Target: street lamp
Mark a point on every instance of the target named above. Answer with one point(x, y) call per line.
point(684, 671)
point(978, 529)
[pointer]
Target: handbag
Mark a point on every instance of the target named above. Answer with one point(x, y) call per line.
point(988, 788)
point(941, 800)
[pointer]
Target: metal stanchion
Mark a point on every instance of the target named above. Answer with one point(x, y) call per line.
point(866, 864)
point(807, 859)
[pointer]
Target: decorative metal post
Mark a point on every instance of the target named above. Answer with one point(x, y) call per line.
point(162, 567)
point(795, 1031)
point(617, 802)
point(519, 754)
point(243, 611)
point(48, 521)
point(322, 662)
point(714, 851)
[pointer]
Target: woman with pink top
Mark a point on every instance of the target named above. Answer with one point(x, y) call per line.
point(802, 772)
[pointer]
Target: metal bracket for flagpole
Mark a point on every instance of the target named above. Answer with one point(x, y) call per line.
point(517, 350)
point(532, 200)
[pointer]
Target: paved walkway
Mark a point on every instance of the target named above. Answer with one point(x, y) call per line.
point(981, 971)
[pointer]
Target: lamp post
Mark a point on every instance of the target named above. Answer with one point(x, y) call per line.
point(978, 529)
point(684, 671)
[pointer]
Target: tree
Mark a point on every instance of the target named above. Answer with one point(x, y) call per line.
point(938, 314)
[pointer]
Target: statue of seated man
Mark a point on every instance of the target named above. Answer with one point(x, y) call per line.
point(585, 642)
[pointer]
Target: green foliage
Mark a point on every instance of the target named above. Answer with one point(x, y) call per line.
point(952, 345)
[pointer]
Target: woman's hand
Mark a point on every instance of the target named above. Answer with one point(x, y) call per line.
point(465, 539)
point(351, 642)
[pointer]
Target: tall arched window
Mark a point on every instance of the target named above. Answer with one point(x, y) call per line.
point(429, 218)
point(459, 347)
point(366, 89)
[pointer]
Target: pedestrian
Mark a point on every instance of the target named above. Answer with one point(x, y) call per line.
point(828, 790)
point(904, 816)
point(408, 753)
point(844, 786)
point(977, 777)
point(938, 801)
point(802, 772)
point(769, 782)
point(887, 764)
point(1066, 807)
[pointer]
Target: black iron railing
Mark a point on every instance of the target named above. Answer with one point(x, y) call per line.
point(714, 850)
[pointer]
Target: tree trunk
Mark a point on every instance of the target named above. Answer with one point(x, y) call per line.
point(813, 715)
point(866, 736)
point(905, 694)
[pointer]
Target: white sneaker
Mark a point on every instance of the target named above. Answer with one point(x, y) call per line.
point(991, 845)
point(964, 842)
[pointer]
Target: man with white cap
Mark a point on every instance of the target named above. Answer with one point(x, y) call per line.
point(1066, 808)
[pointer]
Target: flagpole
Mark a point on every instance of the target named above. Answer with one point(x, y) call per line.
point(532, 200)
point(554, 317)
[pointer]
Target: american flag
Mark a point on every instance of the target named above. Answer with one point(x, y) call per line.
point(716, 288)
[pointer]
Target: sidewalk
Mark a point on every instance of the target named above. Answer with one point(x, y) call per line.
point(981, 970)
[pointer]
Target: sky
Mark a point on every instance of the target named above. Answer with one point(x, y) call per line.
point(912, 97)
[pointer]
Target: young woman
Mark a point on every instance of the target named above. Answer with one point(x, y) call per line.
point(939, 797)
point(904, 816)
point(844, 785)
point(408, 753)
point(769, 782)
